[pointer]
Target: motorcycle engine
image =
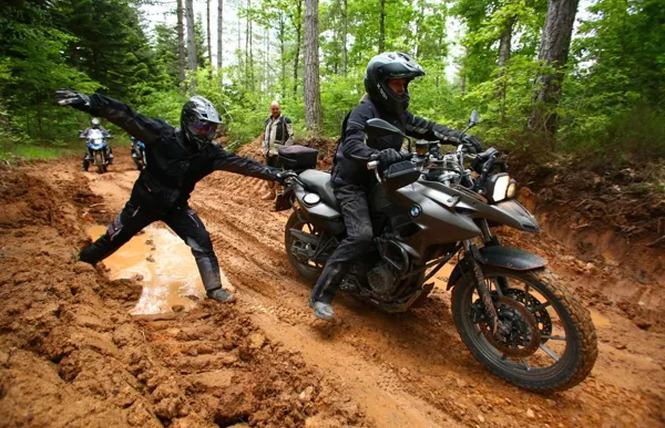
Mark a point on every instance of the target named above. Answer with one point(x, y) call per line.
point(382, 279)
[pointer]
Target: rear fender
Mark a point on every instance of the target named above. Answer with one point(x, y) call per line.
point(320, 214)
point(499, 256)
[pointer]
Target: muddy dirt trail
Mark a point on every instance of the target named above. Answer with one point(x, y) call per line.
point(76, 351)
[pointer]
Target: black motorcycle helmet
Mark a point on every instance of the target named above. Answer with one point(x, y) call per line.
point(94, 123)
point(199, 121)
point(386, 66)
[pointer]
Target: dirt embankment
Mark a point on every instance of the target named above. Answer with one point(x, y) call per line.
point(614, 221)
point(71, 355)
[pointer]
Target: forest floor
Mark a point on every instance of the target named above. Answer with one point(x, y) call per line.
point(75, 352)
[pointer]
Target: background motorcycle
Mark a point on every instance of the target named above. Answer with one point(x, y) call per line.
point(512, 313)
point(138, 153)
point(98, 151)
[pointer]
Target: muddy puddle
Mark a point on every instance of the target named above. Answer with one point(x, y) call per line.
point(164, 266)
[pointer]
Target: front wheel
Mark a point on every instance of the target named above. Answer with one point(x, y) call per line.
point(549, 343)
point(298, 250)
point(99, 161)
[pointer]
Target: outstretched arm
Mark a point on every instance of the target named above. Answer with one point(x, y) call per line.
point(225, 161)
point(118, 113)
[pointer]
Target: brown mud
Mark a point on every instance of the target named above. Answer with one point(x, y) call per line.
point(72, 354)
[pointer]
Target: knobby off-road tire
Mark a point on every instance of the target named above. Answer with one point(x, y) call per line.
point(581, 348)
point(308, 271)
point(99, 161)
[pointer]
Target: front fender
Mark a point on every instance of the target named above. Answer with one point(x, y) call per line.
point(499, 256)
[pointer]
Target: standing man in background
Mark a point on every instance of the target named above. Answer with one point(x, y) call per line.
point(278, 132)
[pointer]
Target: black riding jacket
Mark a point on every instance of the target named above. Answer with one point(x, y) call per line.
point(173, 165)
point(354, 151)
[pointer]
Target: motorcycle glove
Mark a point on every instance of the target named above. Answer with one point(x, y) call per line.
point(68, 97)
point(388, 157)
point(283, 176)
point(446, 135)
point(472, 143)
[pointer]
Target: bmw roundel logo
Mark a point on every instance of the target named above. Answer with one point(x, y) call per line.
point(414, 211)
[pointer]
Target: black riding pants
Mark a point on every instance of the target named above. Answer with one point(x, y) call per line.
point(182, 220)
point(355, 210)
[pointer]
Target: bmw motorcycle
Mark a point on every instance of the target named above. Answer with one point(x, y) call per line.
point(437, 207)
point(138, 153)
point(98, 150)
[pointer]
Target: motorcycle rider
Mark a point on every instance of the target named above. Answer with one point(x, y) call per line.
point(178, 159)
point(87, 157)
point(386, 81)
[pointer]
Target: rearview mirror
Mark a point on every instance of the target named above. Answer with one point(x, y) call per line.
point(474, 119)
point(380, 128)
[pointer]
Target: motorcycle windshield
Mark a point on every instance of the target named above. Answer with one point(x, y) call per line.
point(96, 139)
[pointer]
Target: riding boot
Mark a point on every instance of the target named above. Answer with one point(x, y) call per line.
point(84, 165)
point(212, 281)
point(324, 291)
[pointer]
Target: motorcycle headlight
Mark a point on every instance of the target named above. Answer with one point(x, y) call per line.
point(512, 189)
point(498, 186)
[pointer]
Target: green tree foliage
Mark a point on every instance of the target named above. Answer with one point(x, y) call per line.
point(109, 44)
point(611, 102)
point(614, 98)
point(31, 66)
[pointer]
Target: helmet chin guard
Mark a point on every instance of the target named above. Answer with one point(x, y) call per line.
point(387, 66)
point(199, 120)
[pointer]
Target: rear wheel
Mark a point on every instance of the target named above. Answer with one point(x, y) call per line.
point(549, 343)
point(297, 249)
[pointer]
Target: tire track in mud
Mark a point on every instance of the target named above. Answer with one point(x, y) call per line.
point(401, 369)
point(417, 353)
point(71, 355)
point(268, 294)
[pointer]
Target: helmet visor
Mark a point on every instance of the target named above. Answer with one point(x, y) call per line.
point(202, 128)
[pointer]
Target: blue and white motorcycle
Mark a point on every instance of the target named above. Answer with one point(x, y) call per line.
point(138, 153)
point(98, 152)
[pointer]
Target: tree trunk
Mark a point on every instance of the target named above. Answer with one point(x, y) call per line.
point(191, 35)
point(345, 51)
point(313, 121)
point(220, 40)
point(252, 79)
point(382, 26)
point(208, 33)
point(505, 42)
point(282, 49)
point(502, 60)
point(181, 43)
point(249, 54)
point(553, 53)
point(266, 58)
point(298, 28)
point(418, 33)
point(239, 33)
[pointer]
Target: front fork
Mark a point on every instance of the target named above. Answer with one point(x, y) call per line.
point(472, 255)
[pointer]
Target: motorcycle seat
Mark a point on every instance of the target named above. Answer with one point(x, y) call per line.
point(319, 182)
